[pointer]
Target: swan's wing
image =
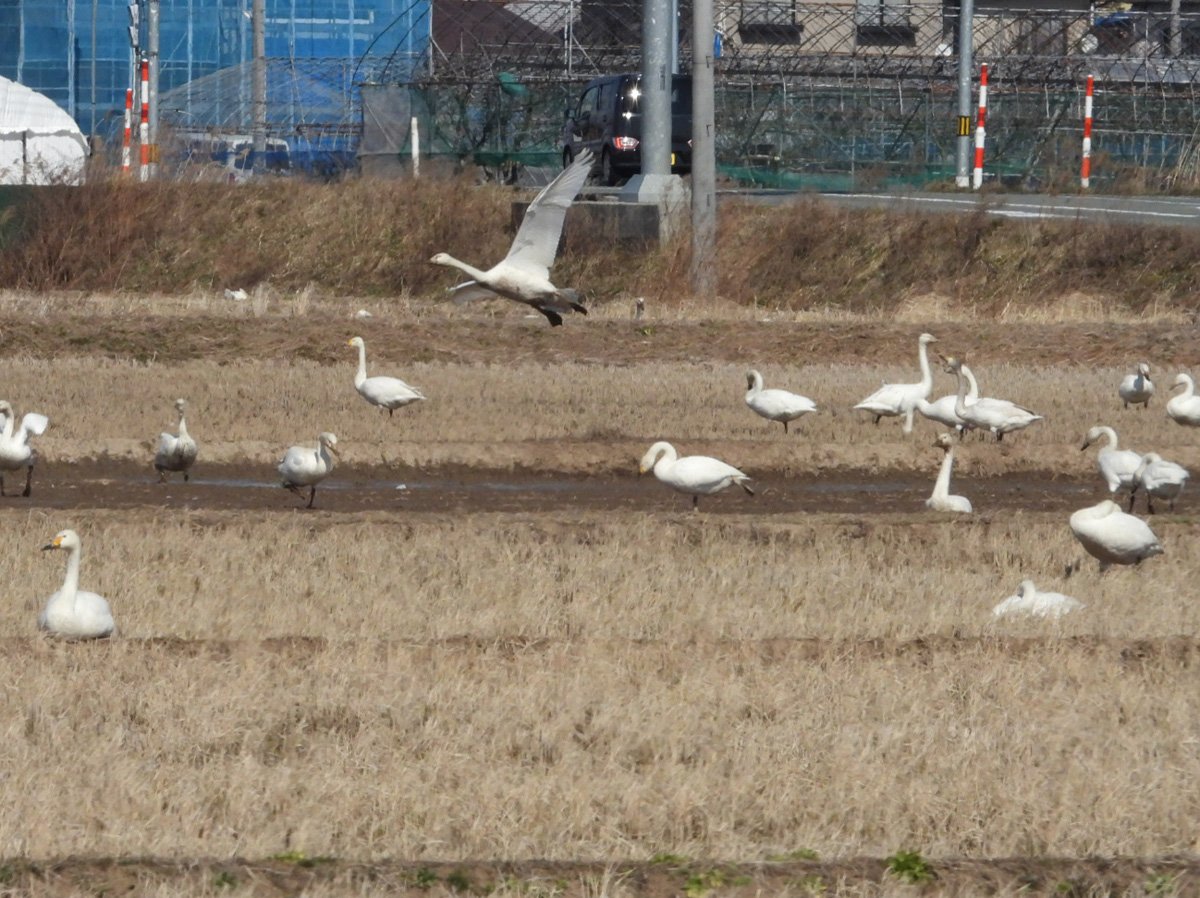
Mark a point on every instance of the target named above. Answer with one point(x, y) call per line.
point(469, 291)
point(34, 423)
point(166, 444)
point(389, 390)
point(536, 243)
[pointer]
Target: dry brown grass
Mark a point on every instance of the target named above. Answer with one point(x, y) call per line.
point(375, 238)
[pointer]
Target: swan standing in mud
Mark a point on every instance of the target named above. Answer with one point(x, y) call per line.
point(383, 392)
point(941, 500)
point(175, 453)
point(1030, 601)
point(71, 612)
point(695, 475)
point(1137, 388)
point(893, 400)
point(15, 451)
point(1113, 537)
point(1159, 479)
point(1185, 408)
point(1117, 466)
point(524, 274)
point(775, 405)
point(998, 416)
point(302, 466)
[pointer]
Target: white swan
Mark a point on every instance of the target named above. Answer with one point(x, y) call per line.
point(1137, 388)
point(775, 405)
point(1161, 479)
point(72, 612)
point(1185, 408)
point(999, 416)
point(302, 466)
point(892, 400)
point(1112, 536)
point(942, 410)
point(941, 500)
point(175, 453)
point(1117, 466)
point(695, 475)
point(15, 451)
point(524, 274)
point(1029, 600)
point(385, 392)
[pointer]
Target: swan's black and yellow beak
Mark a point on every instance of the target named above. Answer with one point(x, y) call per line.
point(641, 470)
point(55, 543)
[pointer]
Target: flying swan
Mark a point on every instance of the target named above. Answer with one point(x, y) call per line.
point(1185, 408)
point(695, 475)
point(1160, 479)
point(1112, 536)
point(15, 451)
point(524, 275)
point(72, 612)
point(941, 500)
point(775, 405)
point(385, 392)
point(175, 453)
point(1117, 466)
point(999, 416)
point(893, 400)
point(1137, 388)
point(1034, 603)
point(302, 466)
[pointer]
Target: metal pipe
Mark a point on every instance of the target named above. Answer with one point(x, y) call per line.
point(152, 23)
point(258, 89)
point(704, 160)
point(966, 14)
point(655, 102)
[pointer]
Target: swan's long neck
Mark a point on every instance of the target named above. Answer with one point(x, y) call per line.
point(10, 422)
point(972, 384)
point(1111, 435)
point(756, 386)
point(466, 269)
point(926, 374)
point(960, 400)
point(1189, 387)
point(667, 456)
point(326, 456)
point(941, 487)
point(183, 434)
point(362, 365)
point(70, 585)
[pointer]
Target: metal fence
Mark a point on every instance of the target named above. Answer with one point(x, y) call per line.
point(807, 93)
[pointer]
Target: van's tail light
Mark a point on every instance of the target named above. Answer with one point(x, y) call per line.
point(625, 143)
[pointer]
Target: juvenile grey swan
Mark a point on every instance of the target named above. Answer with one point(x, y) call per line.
point(175, 453)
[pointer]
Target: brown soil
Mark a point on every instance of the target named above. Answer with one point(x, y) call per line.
point(512, 338)
point(116, 484)
point(297, 874)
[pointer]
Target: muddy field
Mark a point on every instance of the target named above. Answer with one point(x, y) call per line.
point(492, 659)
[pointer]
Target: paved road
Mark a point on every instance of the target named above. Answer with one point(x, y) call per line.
point(1183, 211)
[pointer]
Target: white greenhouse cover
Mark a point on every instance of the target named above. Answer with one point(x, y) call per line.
point(39, 142)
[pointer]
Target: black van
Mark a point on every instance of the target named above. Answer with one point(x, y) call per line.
point(608, 120)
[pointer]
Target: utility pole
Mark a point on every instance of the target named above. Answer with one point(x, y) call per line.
point(966, 66)
point(704, 159)
point(1176, 42)
point(258, 89)
point(655, 101)
point(152, 19)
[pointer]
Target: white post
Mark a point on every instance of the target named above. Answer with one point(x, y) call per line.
point(416, 147)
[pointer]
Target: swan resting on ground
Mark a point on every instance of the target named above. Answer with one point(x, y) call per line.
point(1184, 408)
point(999, 416)
point(524, 274)
point(1137, 388)
point(385, 392)
point(775, 405)
point(1112, 536)
point(941, 500)
point(893, 400)
point(1117, 466)
point(695, 475)
point(72, 612)
point(1029, 600)
point(1160, 479)
point(175, 453)
point(302, 466)
point(15, 451)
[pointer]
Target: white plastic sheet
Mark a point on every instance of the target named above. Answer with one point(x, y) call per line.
point(39, 142)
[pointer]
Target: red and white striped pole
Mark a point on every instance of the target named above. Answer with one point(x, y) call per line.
point(1085, 171)
point(980, 128)
point(125, 141)
point(144, 124)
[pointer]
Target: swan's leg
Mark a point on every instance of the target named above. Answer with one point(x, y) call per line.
point(908, 421)
point(162, 474)
point(185, 476)
point(390, 410)
point(695, 502)
point(1133, 495)
point(878, 418)
point(312, 494)
point(1149, 504)
point(785, 427)
point(28, 481)
point(1, 486)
